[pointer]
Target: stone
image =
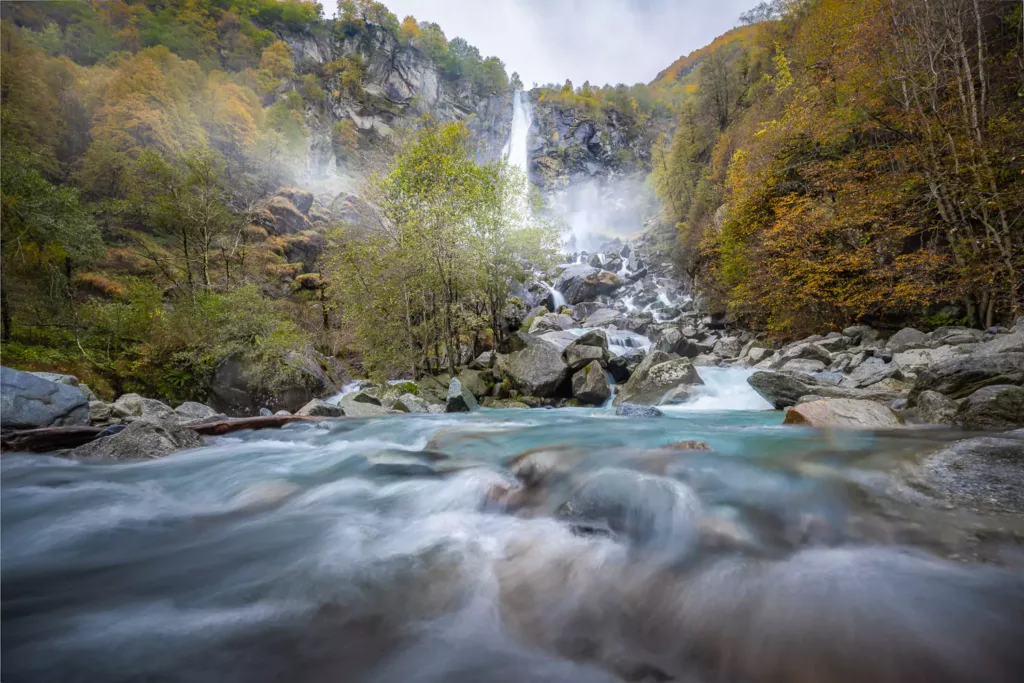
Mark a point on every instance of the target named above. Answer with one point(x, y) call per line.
point(728, 347)
point(318, 408)
point(192, 411)
point(266, 412)
point(473, 381)
point(860, 332)
point(907, 338)
point(503, 403)
point(756, 354)
point(782, 389)
point(622, 367)
point(802, 351)
point(655, 377)
point(648, 511)
point(537, 370)
point(410, 403)
point(70, 380)
point(962, 376)
point(834, 344)
point(604, 317)
point(237, 389)
point(460, 399)
point(982, 473)
point(140, 440)
point(934, 408)
point(598, 338)
point(1005, 343)
point(365, 397)
point(914, 361)
point(590, 384)
point(282, 412)
point(130, 406)
point(582, 282)
point(954, 336)
point(804, 365)
point(871, 371)
point(550, 322)
point(99, 411)
point(578, 356)
point(996, 407)
point(30, 402)
point(842, 413)
point(634, 410)
point(366, 410)
point(672, 340)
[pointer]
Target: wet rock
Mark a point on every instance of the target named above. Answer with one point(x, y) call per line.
point(728, 347)
point(550, 322)
point(672, 340)
point(842, 413)
point(585, 283)
point(140, 440)
point(356, 409)
point(622, 367)
point(99, 411)
point(29, 402)
point(590, 384)
point(653, 379)
point(473, 381)
point(961, 377)
point(133, 406)
point(604, 317)
point(318, 408)
point(803, 365)
point(410, 403)
point(460, 399)
point(398, 465)
point(368, 396)
point(907, 338)
point(650, 512)
point(634, 410)
point(783, 389)
point(282, 412)
point(503, 403)
point(537, 370)
point(266, 412)
point(757, 354)
point(578, 356)
point(934, 408)
point(996, 407)
point(985, 473)
point(192, 411)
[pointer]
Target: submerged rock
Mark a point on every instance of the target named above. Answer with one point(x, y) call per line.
point(318, 408)
point(634, 410)
point(985, 473)
point(842, 413)
point(142, 439)
point(30, 402)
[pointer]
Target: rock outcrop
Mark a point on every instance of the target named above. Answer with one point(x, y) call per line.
point(30, 402)
point(842, 413)
point(141, 440)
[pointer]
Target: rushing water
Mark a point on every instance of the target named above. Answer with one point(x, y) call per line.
point(399, 549)
point(517, 149)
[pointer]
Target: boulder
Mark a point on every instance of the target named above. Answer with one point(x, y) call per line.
point(907, 338)
point(996, 407)
point(237, 388)
point(728, 347)
point(140, 440)
point(503, 403)
point(410, 403)
point(622, 367)
point(366, 396)
point(954, 336)
point(783, 389)
point(934, 408)
point(804, 365)
point(871, 371)
point(474, 382)
point(192, 411)
point(300, 199)
point(861, 333)
point(578, 356)
point(318, 408)
point(266, 412)
point(460, 399)
point(29, 402)
point(672, 340)
point(133, 406)
point(984, 473)
point(590, 384)
point(537, 370)
point(285, 217)
point(914, 361)
point(582, 282)
point(357, 409)
point(961, 377)
point(549, 322)
point(803, 351)
point(648, 511)
point(756, 354)
point(604, 317)
point(842, 413)
point(634, 410)
point(99, 412)
point(1004, 343)
point(653, 380)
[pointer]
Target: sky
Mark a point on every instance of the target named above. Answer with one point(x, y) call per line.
point(603, 41)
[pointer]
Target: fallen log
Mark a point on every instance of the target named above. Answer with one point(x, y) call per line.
point(48, 438)
point(54, 438)
point(239, 423)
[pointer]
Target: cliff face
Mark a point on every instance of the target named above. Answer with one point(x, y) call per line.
point(399, 85)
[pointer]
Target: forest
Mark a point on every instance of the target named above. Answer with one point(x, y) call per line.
point(857, 161)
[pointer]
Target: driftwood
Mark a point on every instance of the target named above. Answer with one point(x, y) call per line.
point(54, 438)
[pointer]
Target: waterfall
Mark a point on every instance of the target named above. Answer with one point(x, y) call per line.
point(557, 300)
point(516, 151)
point(723, 389)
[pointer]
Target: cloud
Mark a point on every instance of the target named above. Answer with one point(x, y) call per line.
point(601, 41)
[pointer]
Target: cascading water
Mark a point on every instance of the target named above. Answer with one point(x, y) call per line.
point(557, 298)
point(516, 150)
point(723, 389)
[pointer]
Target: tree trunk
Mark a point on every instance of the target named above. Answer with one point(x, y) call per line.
point(5, 315)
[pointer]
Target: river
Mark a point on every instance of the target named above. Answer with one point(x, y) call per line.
point(396, 549)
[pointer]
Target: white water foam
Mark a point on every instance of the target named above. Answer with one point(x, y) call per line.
point(516, 150)
point(723, 389)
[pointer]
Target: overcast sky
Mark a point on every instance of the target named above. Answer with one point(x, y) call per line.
point(603, 41)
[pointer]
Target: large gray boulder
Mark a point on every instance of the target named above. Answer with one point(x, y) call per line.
point(537, 370)
point(802, 351)
point(934, 408)
point(728, 347)
point(603, 317)
point(30, 402)
point(1004, 343)
point(961, 377)
point(783, 389)
point(410, 403)
point(590, 384)
point(842, 413)
point(871, 371)
point(996, 407)
point(318, 408)
point(132, 406)
point(141, 440)
point(237, 389)
point(581, 282)
point(655, 377)
point(578, 356)
point(907, 338)
point(473, 381)
point(550, 322)
point(192, 411)
point(460, 399)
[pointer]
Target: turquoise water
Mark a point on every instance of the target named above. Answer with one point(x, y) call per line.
point(395, 549)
